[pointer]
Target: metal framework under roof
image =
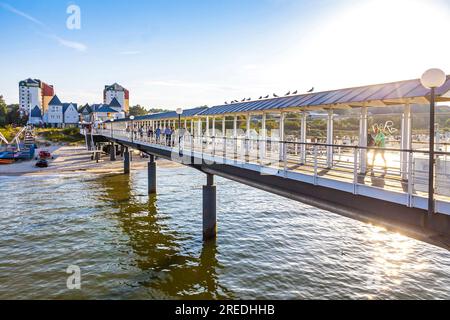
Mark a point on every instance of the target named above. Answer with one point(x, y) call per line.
point(378, 95)
point(172, 114)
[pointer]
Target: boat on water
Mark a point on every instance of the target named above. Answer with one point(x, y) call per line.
point(21, 153)
point(6, 161)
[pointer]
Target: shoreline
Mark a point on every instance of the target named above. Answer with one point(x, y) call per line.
point(76, 159)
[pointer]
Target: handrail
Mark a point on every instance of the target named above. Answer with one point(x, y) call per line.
point(312, 144)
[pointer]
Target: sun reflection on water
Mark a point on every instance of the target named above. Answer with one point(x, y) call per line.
point(393, 258)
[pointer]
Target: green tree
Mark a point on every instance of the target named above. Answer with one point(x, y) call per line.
point(13, 116)
point(138, 110)
point(3, 111)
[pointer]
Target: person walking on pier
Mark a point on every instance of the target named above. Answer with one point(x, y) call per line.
point(158, 134)
point(150, 133)
point(380, 144)
point(168, 133)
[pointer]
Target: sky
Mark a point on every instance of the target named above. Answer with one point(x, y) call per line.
point(188, 53)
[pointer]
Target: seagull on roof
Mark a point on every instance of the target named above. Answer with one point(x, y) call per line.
point(260, 97)
point(288, 93)
point(311, 90)
point(295, 92)
point(249, 99)
point(243, 100)
point(266, 97)
point(275, 95)
point(226, 102)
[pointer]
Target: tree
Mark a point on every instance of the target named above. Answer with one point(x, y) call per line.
point(138, 110)
point(3, 111)
point(14, 117)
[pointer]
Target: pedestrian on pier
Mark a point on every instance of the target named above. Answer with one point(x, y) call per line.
point(168, 133)
point(158, 134)
point(380, 145)
point(150, 133)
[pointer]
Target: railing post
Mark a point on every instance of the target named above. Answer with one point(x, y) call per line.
point(315, 165)
point(355, 170)
point(235, 149)
point(410, 178)
point(285, 158)
point(224, 150)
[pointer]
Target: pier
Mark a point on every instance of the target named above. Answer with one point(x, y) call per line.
point(250, 142)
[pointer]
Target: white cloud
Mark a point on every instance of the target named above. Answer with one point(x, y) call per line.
point(64, 42)
point(71, 44)
point(22, 14)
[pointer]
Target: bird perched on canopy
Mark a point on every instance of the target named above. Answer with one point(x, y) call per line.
point(275, 95)
point(287, 93)
point(311, 90)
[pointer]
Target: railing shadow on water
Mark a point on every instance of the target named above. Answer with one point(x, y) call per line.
point(157, 249)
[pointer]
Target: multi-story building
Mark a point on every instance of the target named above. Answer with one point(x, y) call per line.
point(32, 93)
point(116, 91)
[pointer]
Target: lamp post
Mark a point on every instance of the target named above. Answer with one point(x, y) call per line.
point(179, 112)
point(132, 128)
point(432, 79)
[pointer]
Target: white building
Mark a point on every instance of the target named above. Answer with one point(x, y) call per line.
point(122, 95)
point(32, 93)
point(29, 95)
point(70, 113)
point(35, 116)
point(55, 115)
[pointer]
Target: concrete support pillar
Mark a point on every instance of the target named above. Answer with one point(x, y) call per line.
point(209, 209)
point(406, 140)
point(363, 130)
point(330, 138)
point(112, 152)
point(126, 161)
point(152, 175)
point(303, 137)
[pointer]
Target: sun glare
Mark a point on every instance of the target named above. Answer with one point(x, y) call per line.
point(373, 41)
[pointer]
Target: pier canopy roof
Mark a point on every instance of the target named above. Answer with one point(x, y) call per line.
point(378, 95)
point(189, 113)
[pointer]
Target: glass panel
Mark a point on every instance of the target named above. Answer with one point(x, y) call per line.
point(316, 128)
point(292, 124)
point(229, 126)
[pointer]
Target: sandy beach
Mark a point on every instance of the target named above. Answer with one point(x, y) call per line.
point(76, 159)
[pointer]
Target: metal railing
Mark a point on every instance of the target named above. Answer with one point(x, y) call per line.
point(393, 169)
